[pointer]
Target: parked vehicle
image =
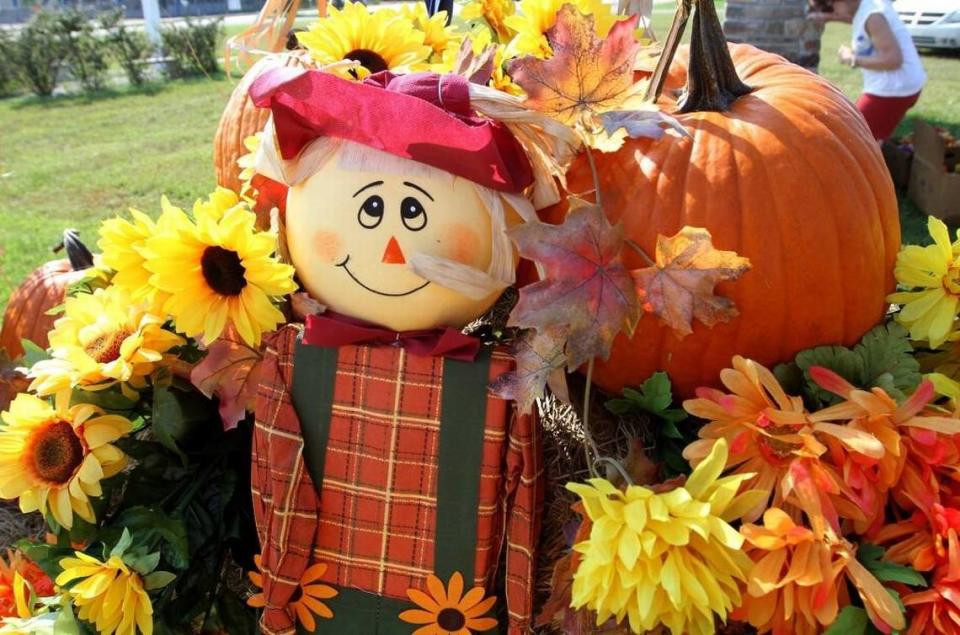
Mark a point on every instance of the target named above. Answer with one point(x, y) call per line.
point(931, 23)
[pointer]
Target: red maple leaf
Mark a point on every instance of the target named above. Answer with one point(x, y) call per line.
point(538, 354)
point(586, 289)
point(230, 371)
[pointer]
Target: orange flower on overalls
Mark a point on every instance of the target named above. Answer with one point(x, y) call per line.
point(448, 611)
point(306, 600)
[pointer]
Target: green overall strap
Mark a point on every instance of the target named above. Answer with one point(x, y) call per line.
point(463, 411)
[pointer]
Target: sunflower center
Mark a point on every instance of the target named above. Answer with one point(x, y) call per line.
point(105, 348)
point(951, 281)
point(370, 60)
point(451, 619)
point(57, 452)
point(223, 270)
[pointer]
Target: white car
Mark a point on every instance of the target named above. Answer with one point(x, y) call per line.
point(931, 23)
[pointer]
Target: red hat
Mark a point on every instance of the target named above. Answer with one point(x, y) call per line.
point(425, 117)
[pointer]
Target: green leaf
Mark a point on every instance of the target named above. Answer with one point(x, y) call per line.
point(654, 397)
point(840, 360)
point(790, 377)
point(32, 353)
point(158, 580)
point(151, 524)
point(871, 557)
point(888, 360)
point(852, 620)
point(126, 539)
point(179, 416)
point(66, 623)
point(110, 400)
point(46, 556)
point(142, 563)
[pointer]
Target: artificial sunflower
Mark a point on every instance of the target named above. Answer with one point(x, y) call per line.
point(306, 601)
point(445, 611)
point(110, 595)
point(103, 338)
point(220, 272)
point(932, 275)
point(436, 34)
point(796, 584)
point(536, 17)
point(54, 457)
point(668, 558)
point(772, 437)
point(378, 40)
point(216, 204)
point(495, 13)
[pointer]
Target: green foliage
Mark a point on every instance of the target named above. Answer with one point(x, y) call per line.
point(192, 48)
point(10, 81)
point(852, 620)
point(130, 49)
point(86, 54)
point(871, 557)
point(883, 358)
point(654, 399)
point(40, 52)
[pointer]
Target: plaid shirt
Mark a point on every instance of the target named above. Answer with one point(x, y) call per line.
point(376, 525)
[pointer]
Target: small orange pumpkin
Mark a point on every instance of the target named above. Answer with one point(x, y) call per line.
point(787, 175)
point(26, 315)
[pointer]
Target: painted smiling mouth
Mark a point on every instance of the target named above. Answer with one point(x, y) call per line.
point(372, 290)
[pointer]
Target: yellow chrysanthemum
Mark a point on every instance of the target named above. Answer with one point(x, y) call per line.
point(933, 275)
point(668, 558)
point(220, 272)
point(53, 458)
point(494, 12)
point(110, 595)
point(378, 40)
point(536, 17)
point(103, 338)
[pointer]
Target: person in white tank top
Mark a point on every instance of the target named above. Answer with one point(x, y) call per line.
point(881, 48)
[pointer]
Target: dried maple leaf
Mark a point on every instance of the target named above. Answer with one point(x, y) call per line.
point(230, 371)
point(586, 288)
point(587, 75)
point(477, 68)
point(680, 286)
point(538, 355)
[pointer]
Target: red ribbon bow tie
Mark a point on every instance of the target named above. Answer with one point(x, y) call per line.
point(331, 330)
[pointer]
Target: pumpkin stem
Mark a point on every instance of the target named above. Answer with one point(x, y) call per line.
point(712, 80)
point(78, 254)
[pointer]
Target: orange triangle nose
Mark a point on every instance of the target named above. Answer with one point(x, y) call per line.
point(393, 255)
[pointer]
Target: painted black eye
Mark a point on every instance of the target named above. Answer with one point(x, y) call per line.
point(371, 212)
point(413, 215)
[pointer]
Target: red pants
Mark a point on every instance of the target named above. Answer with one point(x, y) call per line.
point(884, 113)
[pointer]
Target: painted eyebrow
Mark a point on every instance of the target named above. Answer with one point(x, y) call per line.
point(367, 186)
point(417, 187)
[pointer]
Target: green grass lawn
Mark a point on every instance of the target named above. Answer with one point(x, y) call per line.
point(73, 161)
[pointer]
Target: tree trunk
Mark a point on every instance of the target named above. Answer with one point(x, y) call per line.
point(778, 26)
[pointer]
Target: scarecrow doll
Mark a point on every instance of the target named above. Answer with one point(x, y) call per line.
point(392, 493)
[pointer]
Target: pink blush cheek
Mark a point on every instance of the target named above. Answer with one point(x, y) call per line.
point(327, 245)
point(462, 244)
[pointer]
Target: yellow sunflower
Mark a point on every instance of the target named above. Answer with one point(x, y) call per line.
point(110, 595)
point(378, 40)
point(436, 34)
point(217, 204)
point(103, 338)
point(449, 610)
point(220, 272)
point(306, 600)
point(536, 17)
point(122, 244)
point(53, 458)
point(933, 275)
point(494, 12)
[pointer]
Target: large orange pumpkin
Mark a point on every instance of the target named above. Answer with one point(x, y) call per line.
point(241, 119)
point(26, 315)
point(788, 176)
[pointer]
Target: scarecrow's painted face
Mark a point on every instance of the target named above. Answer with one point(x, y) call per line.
point(352, 233)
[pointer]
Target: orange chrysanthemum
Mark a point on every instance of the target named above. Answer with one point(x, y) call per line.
point(797, 582)
point(771, 435)
point(305, 603)
point(876, 413)
point(935, 611)
point(16, 570)
point(449, 611)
